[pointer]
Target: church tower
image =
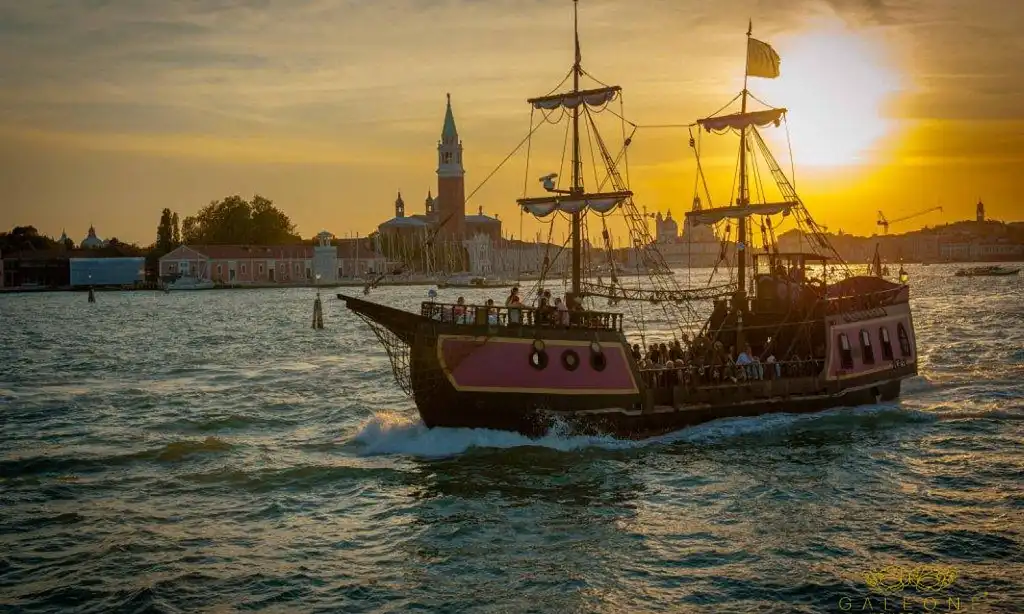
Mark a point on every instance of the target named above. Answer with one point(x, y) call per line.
point(451, 188)
point(399, 206)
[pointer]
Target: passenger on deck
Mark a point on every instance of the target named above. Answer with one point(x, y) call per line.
point(513, 298)
point(653, 356)
point(750, 365)
point(676, 351)
point(774, 370)
point(563, 311)
point(730, 363)
point(637, 355)
point(492, 312)
point(544, 311)
point(459, 311)
point(717, 363)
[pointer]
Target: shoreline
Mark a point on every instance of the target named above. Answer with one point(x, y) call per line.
point(354, 283)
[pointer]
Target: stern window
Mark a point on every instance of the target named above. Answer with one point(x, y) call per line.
point(883, 334)
point(901, 332)
point(845, 354)
point(867, 352)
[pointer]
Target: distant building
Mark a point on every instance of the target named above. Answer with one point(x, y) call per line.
point(274, 264)
point(444, 217)
point(91, 241)
point(481, 224)
point(63, 268)
point(124, 271)
point(697, 246)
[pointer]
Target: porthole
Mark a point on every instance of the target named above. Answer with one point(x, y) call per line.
point(570, 360)
point(538, 345)
point(538, 359)
point(598, 361)
point(595, 347)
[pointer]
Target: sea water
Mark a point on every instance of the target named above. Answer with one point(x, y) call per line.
point(211, 452)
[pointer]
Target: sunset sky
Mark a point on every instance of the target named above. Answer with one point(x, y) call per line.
point(111, 110)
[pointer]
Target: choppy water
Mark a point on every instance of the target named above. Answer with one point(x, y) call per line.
point(208, 451)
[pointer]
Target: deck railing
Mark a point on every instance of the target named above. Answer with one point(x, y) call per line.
point(495, 315)
point(710, 375)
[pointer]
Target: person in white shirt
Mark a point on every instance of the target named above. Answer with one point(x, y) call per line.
point(563, 312)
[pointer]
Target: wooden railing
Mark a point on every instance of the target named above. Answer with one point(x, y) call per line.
point(483, 315)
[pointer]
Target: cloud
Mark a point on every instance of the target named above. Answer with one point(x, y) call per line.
point(361, 83)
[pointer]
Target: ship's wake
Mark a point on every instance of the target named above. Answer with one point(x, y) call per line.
point(400, 433)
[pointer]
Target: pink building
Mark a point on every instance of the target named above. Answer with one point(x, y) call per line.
point(241, 263)
point(262, 264)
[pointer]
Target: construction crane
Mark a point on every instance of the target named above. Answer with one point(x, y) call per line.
point(884, 222)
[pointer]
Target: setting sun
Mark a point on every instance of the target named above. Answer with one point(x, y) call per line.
point(837, 85)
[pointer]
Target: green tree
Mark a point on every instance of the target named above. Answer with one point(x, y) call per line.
point(234, 220)
point(190, 230)
point(165, 231)
point(175, 230)
point(25, 238)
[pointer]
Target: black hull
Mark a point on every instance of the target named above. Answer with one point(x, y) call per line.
point(521, 413)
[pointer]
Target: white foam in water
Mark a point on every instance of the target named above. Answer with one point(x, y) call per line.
point(388, 432)
point(394, 433)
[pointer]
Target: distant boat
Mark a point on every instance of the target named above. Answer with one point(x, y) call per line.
point(478, 282)
point(190, 283)
point(986, 271)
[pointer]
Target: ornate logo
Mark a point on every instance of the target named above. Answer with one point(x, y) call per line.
point(896, 578)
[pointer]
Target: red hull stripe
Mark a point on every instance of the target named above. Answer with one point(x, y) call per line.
point(488, 364)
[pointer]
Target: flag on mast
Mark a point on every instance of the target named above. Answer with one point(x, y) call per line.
point(762, 61)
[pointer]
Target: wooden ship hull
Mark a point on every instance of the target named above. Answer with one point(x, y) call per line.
point(480, 371)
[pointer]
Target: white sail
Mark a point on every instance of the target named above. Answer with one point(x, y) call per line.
point(736, 121)
point(717, 214)
point(601, 202)
point(570, 100)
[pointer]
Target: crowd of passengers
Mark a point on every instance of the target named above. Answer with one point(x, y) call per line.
point(704, 361)
point(553, 311)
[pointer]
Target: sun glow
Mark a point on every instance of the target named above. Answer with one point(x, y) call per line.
point(838, 86)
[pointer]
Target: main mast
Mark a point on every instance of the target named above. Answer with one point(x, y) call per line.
point(576, 188)
point(743, 200)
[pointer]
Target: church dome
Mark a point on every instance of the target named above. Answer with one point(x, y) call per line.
point(92, 241)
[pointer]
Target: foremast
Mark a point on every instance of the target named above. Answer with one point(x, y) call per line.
point(743, 199)
point(577, 188)
point(575, 200)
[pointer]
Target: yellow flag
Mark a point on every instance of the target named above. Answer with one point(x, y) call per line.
point(762, 61)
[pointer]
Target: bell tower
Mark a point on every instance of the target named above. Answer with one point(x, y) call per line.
point(451, 188)
point(399, 206)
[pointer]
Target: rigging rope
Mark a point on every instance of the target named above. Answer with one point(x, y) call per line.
point(502, 163)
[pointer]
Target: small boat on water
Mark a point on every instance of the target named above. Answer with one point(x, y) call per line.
point(475, 282)
point(987, 271)
point(190, 283)
point(780, 332)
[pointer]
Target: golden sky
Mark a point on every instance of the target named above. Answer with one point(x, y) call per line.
point(111, 110)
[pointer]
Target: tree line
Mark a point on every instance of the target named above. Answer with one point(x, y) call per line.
point(229, 221)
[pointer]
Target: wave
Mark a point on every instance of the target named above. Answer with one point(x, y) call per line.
point(179, 450)
point(68, 465)
point(233, 421)
point(391, 432)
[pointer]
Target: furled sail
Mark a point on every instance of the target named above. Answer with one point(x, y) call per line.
point(717, 214)
point(601, 202)
point(737, 121)
point(570, 100)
